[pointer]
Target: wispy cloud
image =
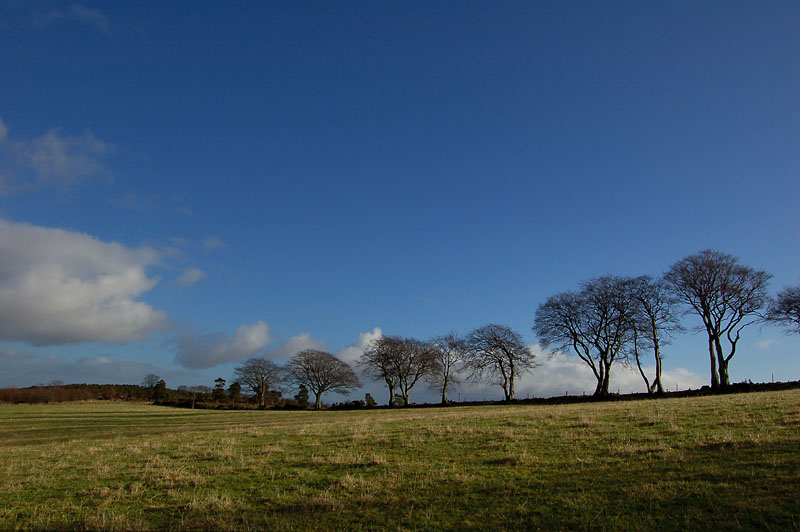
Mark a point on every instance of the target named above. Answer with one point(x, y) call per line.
point(191, 276)
point(51, 160)
point(137, 202)
point(214, 242)
point(766, 344)
point(92, 17)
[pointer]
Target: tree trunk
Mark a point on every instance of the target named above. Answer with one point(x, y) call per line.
point(639, 361)
point(602, 384)
point(724, 376)
point(606, 379)
point(404, 392)
point(712, 356)
point(598, 390)
point(317, 401)
point(511, 386)
point(722, 364)
point(391, 395)
point(641, 372)
point(657, 386)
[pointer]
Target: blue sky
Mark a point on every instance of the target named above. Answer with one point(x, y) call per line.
point(184, 185)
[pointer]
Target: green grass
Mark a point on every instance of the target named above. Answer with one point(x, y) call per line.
point(704, 463)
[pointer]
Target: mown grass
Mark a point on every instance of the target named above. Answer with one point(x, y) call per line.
point(705, 463)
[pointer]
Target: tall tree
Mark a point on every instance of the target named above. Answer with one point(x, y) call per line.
point(302, 396)
point(498, 353)
point(726, 295)
point(322, 372)
point(378, 361)
point(259, 375)
point(595, 323)
point(654, 322)
point(219, 389)
point(785, 309)
point(449, 352)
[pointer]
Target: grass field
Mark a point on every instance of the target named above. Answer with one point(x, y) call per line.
point(704, 463)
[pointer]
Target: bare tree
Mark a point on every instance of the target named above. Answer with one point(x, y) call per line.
point(726, 295)
point(414, 360)
point(654, 321)
point(595, 323)
point(498, 353)
point(150, 382)
point(785, 309)
point(259, 375)
point(449, 352)
point(378, 361)
point(322, 372)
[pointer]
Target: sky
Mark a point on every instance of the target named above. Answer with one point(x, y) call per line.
point(185, 185)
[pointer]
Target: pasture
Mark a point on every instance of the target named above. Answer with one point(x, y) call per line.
point(702, 463)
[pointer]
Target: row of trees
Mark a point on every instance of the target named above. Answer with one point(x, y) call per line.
point(493, 353)
point(619, 318)
point(610, 319)
point(310, 370)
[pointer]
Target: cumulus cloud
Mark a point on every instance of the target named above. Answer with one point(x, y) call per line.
point(560, 374)
point(51, 160)
point(353, 352)
point(288, 348)
point(191, 276)
point(208, 350)
point(61, 287)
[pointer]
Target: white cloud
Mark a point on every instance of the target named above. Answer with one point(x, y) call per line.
point(61, 287)
point(353, 352)
point(50, 160)
point(214, 242)
point(208, 350)
point(191, 276)
point(287, 349)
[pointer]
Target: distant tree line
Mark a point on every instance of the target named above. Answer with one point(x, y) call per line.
point(608, 320)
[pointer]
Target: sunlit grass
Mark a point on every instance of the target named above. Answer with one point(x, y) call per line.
point(708, 463)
